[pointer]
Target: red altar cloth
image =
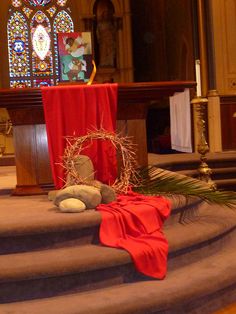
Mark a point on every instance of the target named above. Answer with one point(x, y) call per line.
point(134, 223)
point(74, 110)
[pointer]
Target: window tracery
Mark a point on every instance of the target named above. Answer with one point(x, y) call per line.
point(32, 40)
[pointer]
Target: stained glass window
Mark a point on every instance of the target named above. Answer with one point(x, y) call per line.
point(19, 61)
point(27, 11)
point(62, 24)
point(42, 60)
point(32, 41)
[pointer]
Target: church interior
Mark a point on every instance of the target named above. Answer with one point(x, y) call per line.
point(157, 80)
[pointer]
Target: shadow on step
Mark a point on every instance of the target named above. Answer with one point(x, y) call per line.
point(36, 242)
point(62, 285)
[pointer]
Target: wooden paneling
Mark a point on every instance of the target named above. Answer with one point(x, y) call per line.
point(223, 29)
point(137, 130)
point(26, 161)
point(24, 136)
point(179, 40)
point(228, 122)
point(42, 156)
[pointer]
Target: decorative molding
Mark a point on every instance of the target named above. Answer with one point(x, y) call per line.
point(232, 83)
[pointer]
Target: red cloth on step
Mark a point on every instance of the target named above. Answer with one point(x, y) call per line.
point(134, 223)
point(75, 110)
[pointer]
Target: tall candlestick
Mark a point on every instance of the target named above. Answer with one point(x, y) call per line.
point(198, 77)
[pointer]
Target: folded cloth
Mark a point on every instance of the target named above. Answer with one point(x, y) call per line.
point(180, 122)
point(133, 222)
point(73, 110)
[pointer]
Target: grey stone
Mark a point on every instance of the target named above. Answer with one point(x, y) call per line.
point(108, 194)
point(84, 168)
point(72, 205)
point(89, 195)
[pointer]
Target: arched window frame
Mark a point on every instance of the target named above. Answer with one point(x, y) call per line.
point(53, 10)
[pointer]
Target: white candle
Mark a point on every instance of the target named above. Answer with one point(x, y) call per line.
point(198, 77)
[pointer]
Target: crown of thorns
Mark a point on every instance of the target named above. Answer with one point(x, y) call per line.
point(126, 152)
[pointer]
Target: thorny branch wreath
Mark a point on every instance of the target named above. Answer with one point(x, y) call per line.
point(125, 148)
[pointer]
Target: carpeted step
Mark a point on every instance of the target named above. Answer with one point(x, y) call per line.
point(217, 173)
point(7, 160)
point(227, 184)
point(185, 161)
point(224, 178)
point(50, 272)
point(58, 271)
point(34, 223)
point(222, 166)
point(201, 266)
point(200, 234)
point(200, 287)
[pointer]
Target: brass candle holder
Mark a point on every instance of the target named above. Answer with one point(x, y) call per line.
point(204, 171)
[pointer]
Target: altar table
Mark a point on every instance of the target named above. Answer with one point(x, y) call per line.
point(29, 132)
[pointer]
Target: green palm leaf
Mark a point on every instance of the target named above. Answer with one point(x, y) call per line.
point(156, 181)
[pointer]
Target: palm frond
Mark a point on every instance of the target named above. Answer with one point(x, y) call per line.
point(156, 181)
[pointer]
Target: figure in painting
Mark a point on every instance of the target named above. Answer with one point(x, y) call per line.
point(75, 55)
point(76, 48)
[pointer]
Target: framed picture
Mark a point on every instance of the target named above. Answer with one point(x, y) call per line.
point(75, 56)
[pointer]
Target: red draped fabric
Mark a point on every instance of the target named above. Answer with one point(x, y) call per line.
point(75, 110)
point(134, 223)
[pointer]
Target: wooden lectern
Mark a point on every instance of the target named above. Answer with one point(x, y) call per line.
point(30, 139)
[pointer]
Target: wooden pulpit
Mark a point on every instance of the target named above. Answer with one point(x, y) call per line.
point(29, 132)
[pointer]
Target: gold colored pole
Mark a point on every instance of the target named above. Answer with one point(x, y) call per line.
point(203, 148)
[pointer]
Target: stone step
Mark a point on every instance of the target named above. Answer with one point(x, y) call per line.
point(51, 272)
point(199, 287)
